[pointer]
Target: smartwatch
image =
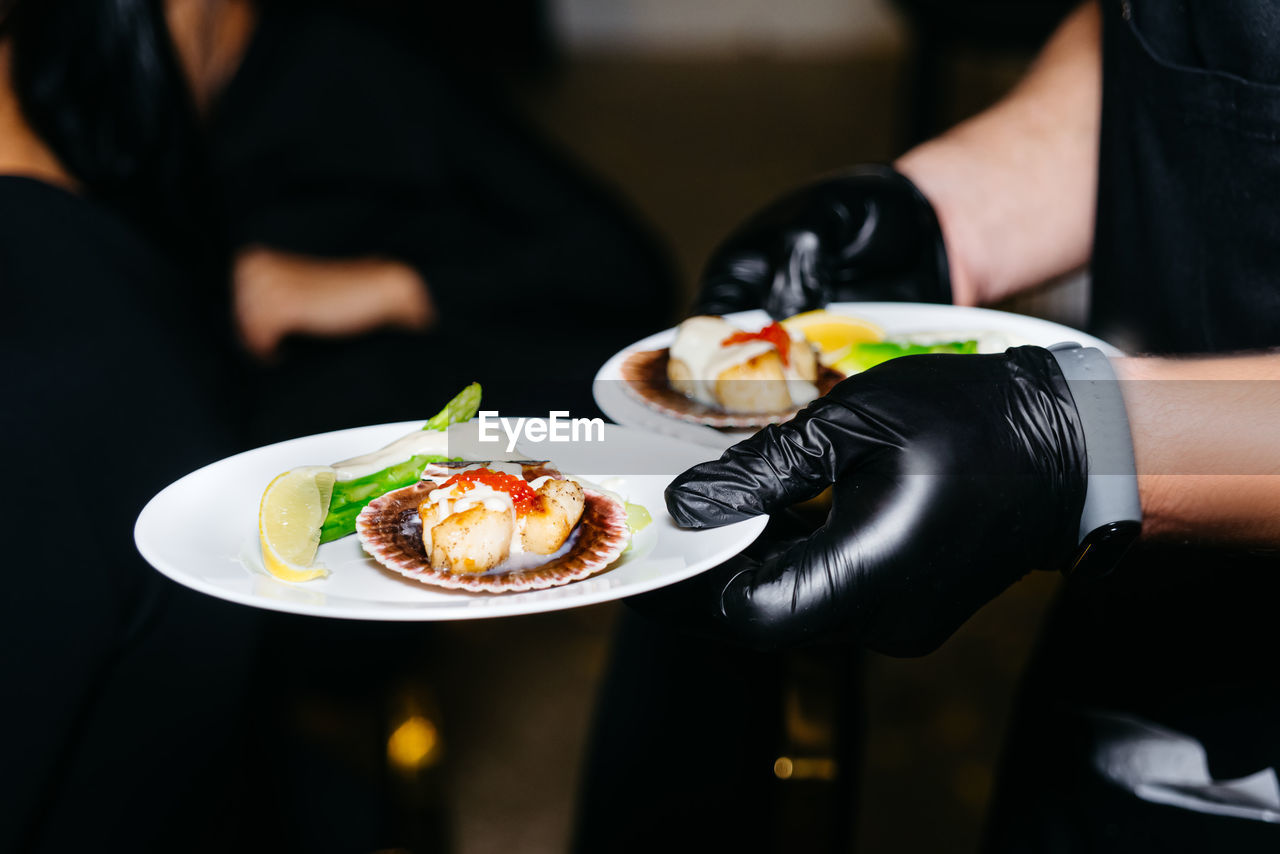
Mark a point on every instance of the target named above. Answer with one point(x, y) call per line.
point(1112, 516)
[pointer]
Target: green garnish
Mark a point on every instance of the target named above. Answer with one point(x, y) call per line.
point(638, 517)
point(463, 407)
point(351, 496)
point(872, 353)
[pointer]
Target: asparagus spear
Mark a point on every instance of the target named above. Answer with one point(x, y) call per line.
point(351, 496)
point(463, 407)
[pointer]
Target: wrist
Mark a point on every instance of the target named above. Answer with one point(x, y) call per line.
point(405, 301)
point(356, 296)
point(1111, 516)
point(1205, 436)
point(929, 168)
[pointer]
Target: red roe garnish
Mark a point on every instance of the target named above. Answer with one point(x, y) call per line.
point(522, 495)
point(773, 334)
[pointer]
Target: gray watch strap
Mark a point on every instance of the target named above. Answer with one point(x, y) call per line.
point(1112, 492)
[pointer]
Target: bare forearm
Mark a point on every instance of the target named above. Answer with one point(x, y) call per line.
point(278, 294)
point(1014, 187)
point(366, 293)
point(1206, 437)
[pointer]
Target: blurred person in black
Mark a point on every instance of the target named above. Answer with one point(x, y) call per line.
point(123, 694)
point(1142, 143)
point(396, 224)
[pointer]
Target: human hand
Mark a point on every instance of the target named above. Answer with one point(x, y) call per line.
point(867, 234)
point(278, 294)
point(953, 476)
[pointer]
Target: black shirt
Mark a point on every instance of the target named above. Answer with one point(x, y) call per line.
point(333, 139)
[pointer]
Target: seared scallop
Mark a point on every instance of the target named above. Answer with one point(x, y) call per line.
point(555, 511)
point(803, 359)
point(756, 385)
point(681, 378)
point(475, 540)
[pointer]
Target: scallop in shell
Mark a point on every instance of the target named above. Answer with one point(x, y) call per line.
point(644, 374)
point(391, 531)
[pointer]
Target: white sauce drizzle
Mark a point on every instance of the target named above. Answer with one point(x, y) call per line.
point(460, 440)
point(697, 344)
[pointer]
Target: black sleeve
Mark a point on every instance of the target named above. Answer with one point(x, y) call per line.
point(119, 688)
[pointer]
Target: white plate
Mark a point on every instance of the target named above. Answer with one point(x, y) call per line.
point(202, 531)
point(895, 318)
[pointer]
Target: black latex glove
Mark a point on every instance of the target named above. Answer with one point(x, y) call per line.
point(865, 235)
point(954, 475)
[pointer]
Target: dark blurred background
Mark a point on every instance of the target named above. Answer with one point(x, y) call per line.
point(697, 114)
point(682, 118)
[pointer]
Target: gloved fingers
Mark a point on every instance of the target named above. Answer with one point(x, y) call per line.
point(779, 466)
point(779, 597)
point(734, 280)
point(780, 269)
point(799, 282)
point(818, 587)
point(854, 579)
point(693, 606)
point(780, 594)
point(791, 598)
point(861, 577)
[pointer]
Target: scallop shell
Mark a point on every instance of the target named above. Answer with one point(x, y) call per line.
point(391, 531)
point(644, 375)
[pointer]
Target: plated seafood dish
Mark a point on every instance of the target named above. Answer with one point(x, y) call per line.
point(426, 507)
point(495, 526)
point(717, 374)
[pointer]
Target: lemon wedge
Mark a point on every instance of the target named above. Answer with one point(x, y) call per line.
point(290, 515)
point(834, 335)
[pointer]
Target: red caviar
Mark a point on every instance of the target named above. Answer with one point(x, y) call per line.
point(522, 495)
point(773, 334)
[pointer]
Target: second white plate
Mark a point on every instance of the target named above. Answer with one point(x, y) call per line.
point(895, 318)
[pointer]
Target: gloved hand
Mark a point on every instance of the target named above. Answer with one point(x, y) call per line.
point(865, 235)
point(954, 475)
